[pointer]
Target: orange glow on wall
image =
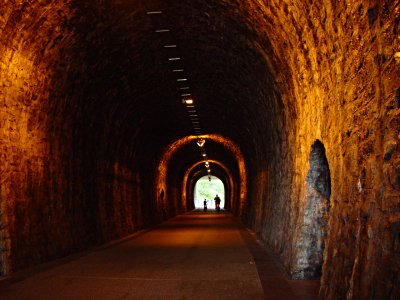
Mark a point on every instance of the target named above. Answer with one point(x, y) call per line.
point(17, 79)
point(23, 147)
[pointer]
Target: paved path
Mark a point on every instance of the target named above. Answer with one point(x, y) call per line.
point(194, 256)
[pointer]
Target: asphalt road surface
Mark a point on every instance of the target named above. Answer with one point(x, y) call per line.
point(193, 256)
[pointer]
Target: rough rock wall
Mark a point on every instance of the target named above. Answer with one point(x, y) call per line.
point(61, 189)
point(341, 79)
point(310, 243)
point(28, 160)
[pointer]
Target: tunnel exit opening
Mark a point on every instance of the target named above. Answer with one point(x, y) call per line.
point(206, 189)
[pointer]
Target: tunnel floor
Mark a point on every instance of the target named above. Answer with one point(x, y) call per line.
point(193, 256)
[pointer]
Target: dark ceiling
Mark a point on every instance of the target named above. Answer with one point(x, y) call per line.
point(120, 62)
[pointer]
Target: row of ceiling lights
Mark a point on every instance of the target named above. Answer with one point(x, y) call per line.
point(186, 96)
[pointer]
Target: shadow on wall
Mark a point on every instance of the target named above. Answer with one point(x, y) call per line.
point(3, 270)
point(311, 242)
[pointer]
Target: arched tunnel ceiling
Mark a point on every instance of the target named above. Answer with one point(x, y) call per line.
point(227, 73)
point(184, 157)
point(224, 70)
point(116, 74)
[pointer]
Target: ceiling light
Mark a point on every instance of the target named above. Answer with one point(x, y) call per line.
point(162, 30)
point(174, 58)
point(184, 88)
point(187, 101)
point(177, 70)
point(154, 12)
point(181, 79)
point(170, 46)
point(185, 95)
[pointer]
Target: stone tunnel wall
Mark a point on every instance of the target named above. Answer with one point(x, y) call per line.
point(61, 189)
point(339, 82)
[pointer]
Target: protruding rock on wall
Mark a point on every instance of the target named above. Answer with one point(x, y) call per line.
point(310, 243)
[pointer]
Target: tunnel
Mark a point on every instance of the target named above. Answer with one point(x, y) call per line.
point(111, 110)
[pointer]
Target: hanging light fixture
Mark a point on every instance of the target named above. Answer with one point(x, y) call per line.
point(201, 142)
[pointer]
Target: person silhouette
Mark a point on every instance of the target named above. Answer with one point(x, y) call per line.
point(217, 202)
point(205, 204)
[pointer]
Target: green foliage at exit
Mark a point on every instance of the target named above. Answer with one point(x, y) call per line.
point(208, 189)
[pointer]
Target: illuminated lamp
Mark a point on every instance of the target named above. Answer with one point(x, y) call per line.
point(187, 101)
point(201, 142)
